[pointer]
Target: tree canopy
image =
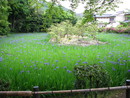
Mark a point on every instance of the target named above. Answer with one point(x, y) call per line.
point(35, 15)
point(4, 17)
point(93, 7)
point(32, 15)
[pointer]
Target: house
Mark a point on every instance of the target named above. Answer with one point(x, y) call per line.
point(112, 20)
point(127, 17)
point(104, 19)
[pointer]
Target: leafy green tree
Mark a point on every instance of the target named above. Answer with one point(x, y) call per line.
point(93, 7)
point(56, 14)
point(4, 17)
point(17, 14)
point(98, 7)
point(23, 16)
point(39, 7)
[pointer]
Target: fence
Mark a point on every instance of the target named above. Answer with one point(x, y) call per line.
point(36, 93)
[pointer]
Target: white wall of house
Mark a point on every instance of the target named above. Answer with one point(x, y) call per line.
point(115, 24)
point(103, 20)
point(120, 17)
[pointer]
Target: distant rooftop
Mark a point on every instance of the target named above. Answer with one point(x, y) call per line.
point(112, 15)
point(126, 21)
point(128, 13)
point(105, 15)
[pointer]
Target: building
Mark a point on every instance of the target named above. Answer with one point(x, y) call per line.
point(112, 20)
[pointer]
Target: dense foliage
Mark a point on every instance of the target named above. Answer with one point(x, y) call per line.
point(91, 76)
point(56, 14)
point(124, 27)
point(118, 30)
point(4, 17)
point(4, 85)
point(32, 16)
point(23, 17)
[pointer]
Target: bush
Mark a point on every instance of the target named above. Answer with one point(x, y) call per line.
point(127, 30)
point(67, 30)
point(4, 85)
point(61, 30)
point(125, 24)
point(117, 30)
point(91, 30)
point(91, 76)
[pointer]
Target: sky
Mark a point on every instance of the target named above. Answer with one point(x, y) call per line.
point(80, 9)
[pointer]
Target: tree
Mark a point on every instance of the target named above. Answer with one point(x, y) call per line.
point(17, 14)
point(98, 7)
point(56, 14)
point(30, 15)
point(93, 7)
point(23, 16)
point(39, 7)
point(4, 17)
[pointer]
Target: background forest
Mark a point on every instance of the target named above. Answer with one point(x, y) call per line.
point(31, 16)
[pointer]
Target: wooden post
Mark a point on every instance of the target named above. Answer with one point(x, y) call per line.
point(127, 90)
point(36, 89)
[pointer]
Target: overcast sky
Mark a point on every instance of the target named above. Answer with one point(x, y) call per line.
point(125, 5)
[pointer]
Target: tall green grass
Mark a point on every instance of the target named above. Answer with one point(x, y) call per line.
point(27, 60)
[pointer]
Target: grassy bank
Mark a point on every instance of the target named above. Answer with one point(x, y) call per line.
point(27, 60)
